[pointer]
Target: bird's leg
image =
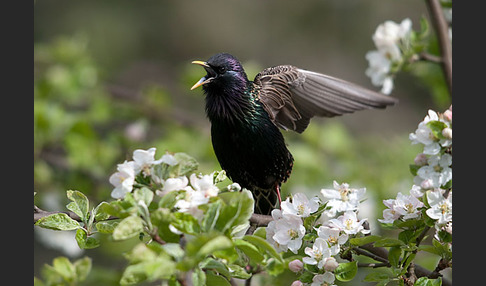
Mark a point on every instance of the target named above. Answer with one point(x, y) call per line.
point(277, 188)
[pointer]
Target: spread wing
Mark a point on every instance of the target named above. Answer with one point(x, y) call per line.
point(292, 96)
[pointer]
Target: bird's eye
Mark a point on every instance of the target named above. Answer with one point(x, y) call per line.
point(221, 70)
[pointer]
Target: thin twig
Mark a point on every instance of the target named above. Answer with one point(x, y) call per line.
point(373, 265)
point(445, 45)
point(360, 250)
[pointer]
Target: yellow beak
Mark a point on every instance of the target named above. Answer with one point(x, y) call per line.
point(201, 63)
point(203, 80)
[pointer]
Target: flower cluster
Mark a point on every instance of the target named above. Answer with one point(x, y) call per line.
point(391, 40)
point(143, 162)
point(434, 165)
point(198, 188)
point(328, 223)
point(431, 193)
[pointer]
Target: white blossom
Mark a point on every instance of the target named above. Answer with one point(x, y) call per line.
point(191, 201)
point(173, 184)
point(389, 36)
point(300, 206)
point(289, 231)
point(205, 184)
point(379, 71)
point(440, 207)
point(168, 159)
point(144, 160)
point(271, 228)
point(123, 180)
point(407, 206)
point(390, 39)
point(390, 214)
point(333, 237)
point(326, 279)
point(349, 223)
point(437, 171)
point(318, 253)
point(342, 198)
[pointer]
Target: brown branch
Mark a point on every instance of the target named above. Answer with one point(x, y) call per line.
point(260, 220)
point(445, 45)
point(39, 213)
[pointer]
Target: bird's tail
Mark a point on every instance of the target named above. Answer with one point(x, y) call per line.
point(265, 201)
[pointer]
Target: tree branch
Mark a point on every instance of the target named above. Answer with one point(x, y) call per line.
point(445, 45)
point(39, 213)
point(260, 220)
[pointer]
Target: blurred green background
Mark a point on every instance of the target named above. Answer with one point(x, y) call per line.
point(114, 76)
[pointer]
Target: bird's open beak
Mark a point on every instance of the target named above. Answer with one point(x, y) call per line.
point(204, 79)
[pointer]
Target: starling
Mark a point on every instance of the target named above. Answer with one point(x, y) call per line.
point(246, 116)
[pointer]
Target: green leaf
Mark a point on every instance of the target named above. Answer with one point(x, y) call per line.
point(59, 221)
point(215, 265)
point(211, 216)
point(128, 227)
point(143, 194)
point(249, 250)
point(220, 176)
point(149, 262)
point(79, 204)
point(107, 226)
point(198, 277)
point(83, 268)
point(65, 268)
point(133, 274)
point(85, 242)
point(264, 246)
point(217, 280)
point(186, 223)
point(394, 256)
point(238, 272)
point(436, 127)
point(346, 271)
point(359, 241)
point(424, 281)
point(218, 243)
point(186, 165)
point(414, 169)
point(235, 214)
point(100, 211)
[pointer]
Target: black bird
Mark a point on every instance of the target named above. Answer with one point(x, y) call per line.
point(246, 116)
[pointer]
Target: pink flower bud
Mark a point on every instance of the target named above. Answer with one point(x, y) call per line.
point(420, 159)
point(447, 133)
point(447, 115)
point(331, 264)
point(427, 184)
point(296, 283)
point(296, 266)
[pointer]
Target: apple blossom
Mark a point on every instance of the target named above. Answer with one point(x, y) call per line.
point(440, 207)
point(317, 254)
point(289, 230)
point(349, 223)
point(296, 265)
point(333, 237)
point(144, 160)
point(342, 198)
point(300, 206)
point(123, 180)
point(326, 279)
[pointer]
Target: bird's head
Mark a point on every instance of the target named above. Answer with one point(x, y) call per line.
point(223, 71)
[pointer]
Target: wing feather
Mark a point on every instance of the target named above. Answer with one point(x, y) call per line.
point(292, 96)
